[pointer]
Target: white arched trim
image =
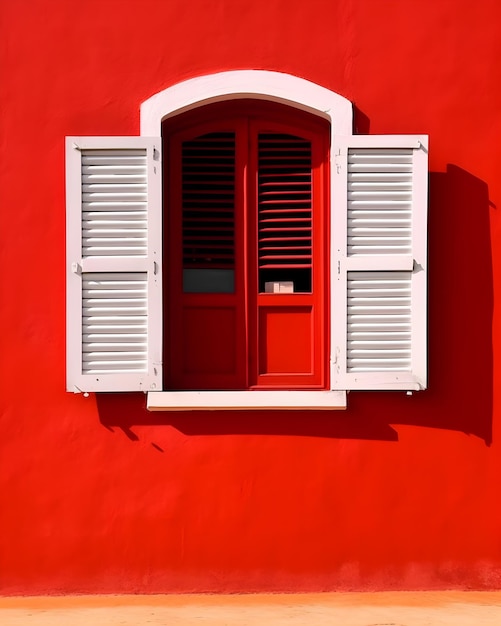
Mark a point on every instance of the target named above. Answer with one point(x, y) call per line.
point(265, 85)
point(277, 87)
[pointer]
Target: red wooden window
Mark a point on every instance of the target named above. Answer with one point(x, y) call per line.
point(245, 239)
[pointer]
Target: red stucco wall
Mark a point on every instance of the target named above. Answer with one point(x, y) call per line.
point(98, 495)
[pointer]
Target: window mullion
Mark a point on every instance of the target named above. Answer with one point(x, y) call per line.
point(249, 216)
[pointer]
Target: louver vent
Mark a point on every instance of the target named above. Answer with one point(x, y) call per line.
point(114, 203)
point(208, 196)
point(114, 323)
point(379, 321)
point(284, 202)
point(379, 201)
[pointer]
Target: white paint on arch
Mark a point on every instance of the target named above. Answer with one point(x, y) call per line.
point(275, 86)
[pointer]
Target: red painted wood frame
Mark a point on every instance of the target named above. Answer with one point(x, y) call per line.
point(246, 338)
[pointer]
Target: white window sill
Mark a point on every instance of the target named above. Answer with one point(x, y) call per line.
point(246, 400)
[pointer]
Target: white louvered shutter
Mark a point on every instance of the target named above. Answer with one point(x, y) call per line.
point(114, 263)
point(378, 272)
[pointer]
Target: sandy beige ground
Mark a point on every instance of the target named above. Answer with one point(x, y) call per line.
point(343, 609)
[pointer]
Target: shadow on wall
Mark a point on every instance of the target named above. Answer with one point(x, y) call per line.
point(459, 395)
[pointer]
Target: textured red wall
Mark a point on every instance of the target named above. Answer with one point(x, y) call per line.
point(98, 495)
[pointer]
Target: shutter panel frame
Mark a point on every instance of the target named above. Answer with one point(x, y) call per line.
point(408, 257)
point(108, 249)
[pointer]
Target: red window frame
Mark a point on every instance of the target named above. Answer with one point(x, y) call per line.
point(263, 333)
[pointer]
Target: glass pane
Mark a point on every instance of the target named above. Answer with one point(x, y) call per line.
point(208, 281)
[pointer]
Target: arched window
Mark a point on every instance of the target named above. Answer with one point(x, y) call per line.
point(245, 269)
point(244, 303)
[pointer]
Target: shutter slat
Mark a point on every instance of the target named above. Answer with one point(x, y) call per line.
point(121, 301)
point(208, 191)
point(112, 198)
point(379, 302)
point(379, 200)
point(284, 202)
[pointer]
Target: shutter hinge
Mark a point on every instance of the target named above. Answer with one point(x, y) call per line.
point(335, 360)
point(76, 268)
point(336, 160)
